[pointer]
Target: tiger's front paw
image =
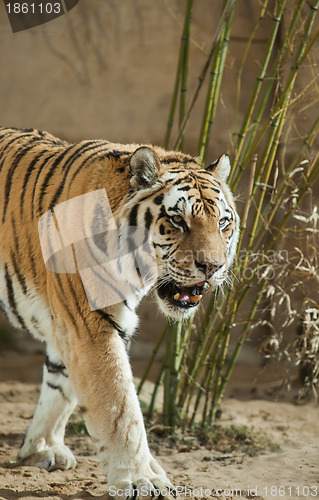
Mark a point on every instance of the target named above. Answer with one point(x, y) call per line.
point(57, 456)
point(147, 480)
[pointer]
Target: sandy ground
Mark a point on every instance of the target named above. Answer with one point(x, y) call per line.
point(288, 472)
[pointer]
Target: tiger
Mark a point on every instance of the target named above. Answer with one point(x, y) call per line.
point(77, 220)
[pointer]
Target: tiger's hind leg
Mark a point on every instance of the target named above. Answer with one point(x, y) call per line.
point(43, 445)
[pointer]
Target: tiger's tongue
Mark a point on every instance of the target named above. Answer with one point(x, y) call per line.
point(186, 296)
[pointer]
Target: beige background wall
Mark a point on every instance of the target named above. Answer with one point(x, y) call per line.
point(107, 69)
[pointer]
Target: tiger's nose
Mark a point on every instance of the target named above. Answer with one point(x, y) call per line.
point(207, 268)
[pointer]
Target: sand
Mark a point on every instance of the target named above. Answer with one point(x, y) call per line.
point(288, 470)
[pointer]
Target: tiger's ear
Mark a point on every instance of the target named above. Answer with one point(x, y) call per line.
point(220, 167)
point(144, 165)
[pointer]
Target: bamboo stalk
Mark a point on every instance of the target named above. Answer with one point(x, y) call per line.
point(302, 53)
point(171, 376)
point(184, 75)
point(152, 358)
point(216, 75)
point(157, 385)
point(279, 8)
point(179, 72)
point(249, 148)
point(204, 71)
point(195, 368)
point(243, 62)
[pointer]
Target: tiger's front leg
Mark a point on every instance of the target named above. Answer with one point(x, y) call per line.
point(43, 445)
point(102, 378)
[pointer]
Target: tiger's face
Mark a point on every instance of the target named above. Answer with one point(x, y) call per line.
point(194, 226)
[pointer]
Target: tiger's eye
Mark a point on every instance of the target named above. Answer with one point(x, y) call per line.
point(177, 219)
point(223, 222)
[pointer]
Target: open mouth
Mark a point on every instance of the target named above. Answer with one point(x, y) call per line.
point(181, 296)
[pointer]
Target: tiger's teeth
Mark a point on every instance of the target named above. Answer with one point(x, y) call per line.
point(195, 298)
point(176, 296)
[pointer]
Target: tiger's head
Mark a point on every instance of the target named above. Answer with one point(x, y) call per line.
point(192, 219)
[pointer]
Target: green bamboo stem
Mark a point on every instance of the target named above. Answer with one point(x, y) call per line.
point(157, 385)
point(153, 356)
point(214, 72)
point(272, 209)
point(220, 379)
point(260, 79)
point(215, 372)
point(269, 157)
point(302, 53)
point(193, 374)
point(195, 382)
point(179, 72)
point(270, 152)
point(214, 86)
point(171, 376)
point(271, 81)
point(311, 179)
point(184, 75)
point(183, 356)
point(243, 62)
point(204, 71)
point(208, 383)
point(205, 389)
point(223, 381)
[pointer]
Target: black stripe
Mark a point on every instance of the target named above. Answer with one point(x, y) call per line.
point(15, 162)
point(163, 245)
point(84, 147)
point(55, 367)
point(58, 388)
point(17, 129)
point(15, 234)
point(158, 199)
point(65, 302)
point(133, 215)
point(92, 157)
point(35, 183)
point(32, 260)
point(20, 276)
point(184, 160)
point(11, 298)
point(148, 218)
point(124, 335)
point(209, 201)
point(49, 175)
point(27, 176)
point(6, 146)
point(116, 154)
point(175, 208)
point(162, 213)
